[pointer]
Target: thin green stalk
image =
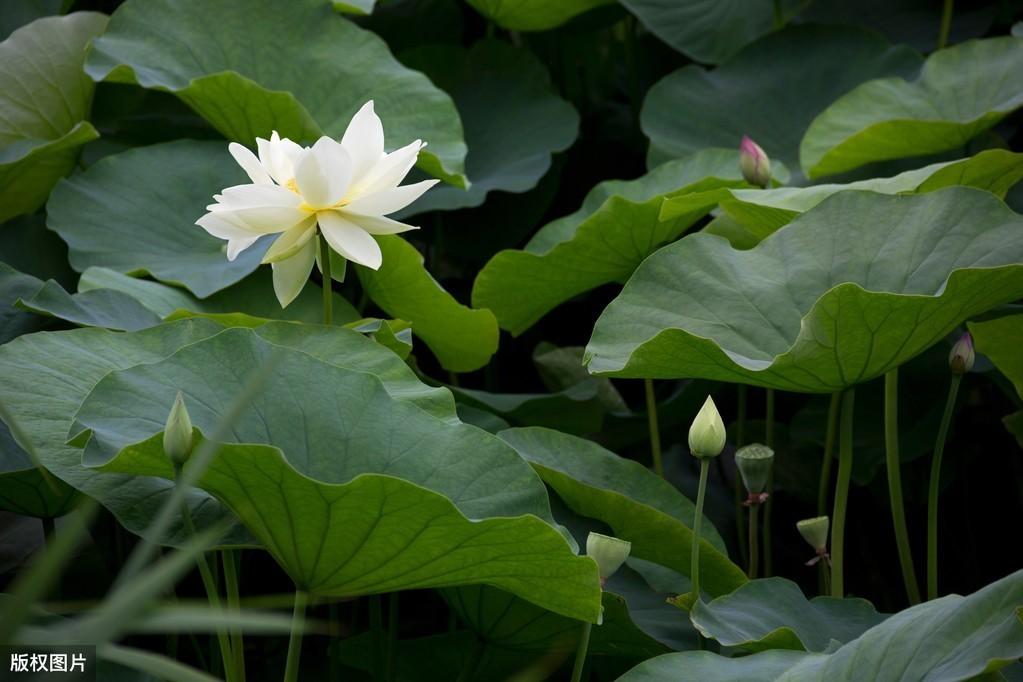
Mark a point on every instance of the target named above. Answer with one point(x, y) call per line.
point(328, 287)
point(580, 652)
point(392, 635)
point(212, 594)
point(295, 642)
point(933, 489)
point(769, 505)
point(655, 433)
point(825, 576)
point(946, 23)
point(376, 626)
point(829, 454)
point(779, 16)
point(472, 661)
point(891, 442)
point(234, 605)
point(694, 572)
point(333, 650)
point(753, 541)
point(845, 461)
point(737, 487)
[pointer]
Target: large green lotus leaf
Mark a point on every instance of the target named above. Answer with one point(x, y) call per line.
point(630, 628)
point(24, 489)
point(960, 92)
point(462, 338)
point(638, 505)
point(253, 296)
point(533, 15)
point(513, 119)
point(762, 212)
point(14, 320)
point(858, 285)
point(707, 31)
point(773, 614)
point(578, 409)
point(614, 230)
point(378, 533)
point(311, 72)
point(98, 308)
point(44, 100)
point(951, 638)
point(48, 375)
point(17, 13)
point(135, 212)
point(1001, 339)
point(341, 424)
point(770, 91)
point(562, 368)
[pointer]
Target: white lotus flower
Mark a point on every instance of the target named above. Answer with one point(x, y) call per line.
point(339, 191)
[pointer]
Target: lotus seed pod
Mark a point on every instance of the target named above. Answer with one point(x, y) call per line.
point(960, 359)
point(609, 553)
point(707, 433)
point(814, 531)
point(755, 164)
point(754, 462)
point(177, 434)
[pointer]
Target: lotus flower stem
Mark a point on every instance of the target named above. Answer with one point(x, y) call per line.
point(233, 604)
point(295, 642)
point(829, 453)
point(769, 441)
point(655, 433)
point(740, 440)
point(392, 636)
point(580, 652)
point(845, 460)
point(946, 23)
point(891, 441)
point(212, 594)
point(694, 572)
point(753, 541)
point(328, 289)
point(932, 489)
point(376, 626)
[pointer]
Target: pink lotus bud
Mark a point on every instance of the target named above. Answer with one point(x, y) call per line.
point(755, 164)
point(960, 360)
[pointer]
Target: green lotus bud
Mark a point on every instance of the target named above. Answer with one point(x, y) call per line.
point(815, 532)
point(707, 434)
point(754, 462)
point(609, 553)
point(960, 359)
point(177, 434)
point(755, 164)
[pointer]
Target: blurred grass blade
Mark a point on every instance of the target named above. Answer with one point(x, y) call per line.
point(159, 666)
point(123, 605)
point(32, 584)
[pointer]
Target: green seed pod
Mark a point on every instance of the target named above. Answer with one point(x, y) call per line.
point(960, 359)
point(177, 434)
point(754, 462)
point(707, 433)
point(814, 531)
point(609, 553)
